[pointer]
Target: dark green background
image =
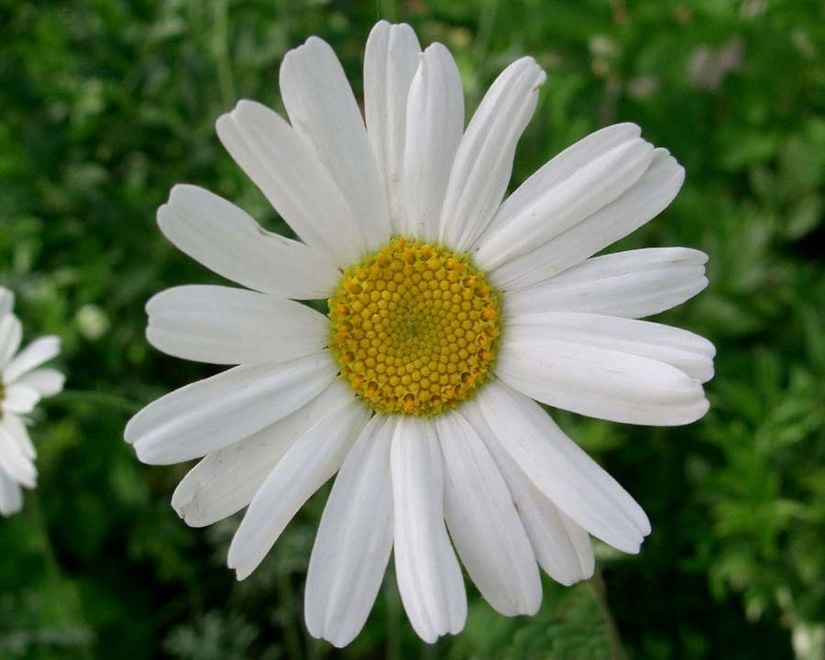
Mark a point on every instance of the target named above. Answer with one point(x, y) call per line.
point(104, 105)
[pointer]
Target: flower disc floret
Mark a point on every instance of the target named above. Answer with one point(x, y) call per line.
point(414, 328)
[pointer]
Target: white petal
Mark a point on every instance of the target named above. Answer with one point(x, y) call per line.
point(354, 540)
point(563, 191)
point(684, 350)
point(16, 430)
point(226, 480)
point(633, 284)
point(521, 226)
point(648, 197)
point(435, 122)
point(483, 522)
point(311, 460)
point(46, 382)
point(6, 301)
point(19, 399)
point(559, 169)
point(11, 497)
point(215, 412)
point(225, 239)
point(600, 382)
point(560, 469)
point(561, 546)
point(427, 571)
point(35, 354)
point(390, 61)
point(10, 335)
point(293, 179)
point(220, 325)
point(484, 160)
point(14, 462)
point(323, 110)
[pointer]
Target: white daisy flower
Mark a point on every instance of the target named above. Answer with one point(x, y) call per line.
point(22, 384)
point(452, 313)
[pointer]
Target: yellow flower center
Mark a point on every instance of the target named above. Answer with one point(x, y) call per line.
point(414, 328)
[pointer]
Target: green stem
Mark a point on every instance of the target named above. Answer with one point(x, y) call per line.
point(387, 10)
point(49, 559)
point(292, 637)
point(485, 28)
point(597, 586)
point(226, 81)
point(100, 398)
point(51, 565)
point(393, 602)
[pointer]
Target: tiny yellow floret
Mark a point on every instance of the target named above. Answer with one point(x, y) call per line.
point(414, 328)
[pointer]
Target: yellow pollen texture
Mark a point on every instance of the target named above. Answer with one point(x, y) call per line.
point(414, 328)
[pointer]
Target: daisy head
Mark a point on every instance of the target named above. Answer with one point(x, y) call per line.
point(452, 312)
point(23, 382)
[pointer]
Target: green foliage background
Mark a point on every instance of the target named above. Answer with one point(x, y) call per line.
point(104, 105)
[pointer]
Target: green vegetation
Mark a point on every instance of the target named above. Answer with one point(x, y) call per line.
point(104, 105)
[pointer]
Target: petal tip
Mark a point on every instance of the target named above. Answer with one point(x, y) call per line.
point(223, 124)
point(128, 432)
point(380, 26)
point(181, 190)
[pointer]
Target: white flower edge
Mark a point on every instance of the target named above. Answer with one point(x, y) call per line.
point(571, 339)
point(23, 383)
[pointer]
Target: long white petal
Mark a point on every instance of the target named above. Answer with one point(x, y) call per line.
point(19, 399)
point(14, 462)
point(46, 382)
point(633, 284)
point(39, 351)
point(435, 122)
point(390, 61)
point(648, 197)
point(682, 349)
point(484, 160)
point(483, 522)
point(225, 239)
point(427, 571)
point(311, 460)
point(10, 334)
point(561, 470)
point(561, 546)
point(576, 157)
point(215, 412)
point(221, 325)
point(11, 497)
point(532, 219)
point(293, 179)
point(323, 110)
point(226, 480)
point(6, 301)
point(16, 430)
point(354, 539)
point(600, 382)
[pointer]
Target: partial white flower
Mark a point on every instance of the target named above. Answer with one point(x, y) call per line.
point(23, 382)
point(453, 313)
